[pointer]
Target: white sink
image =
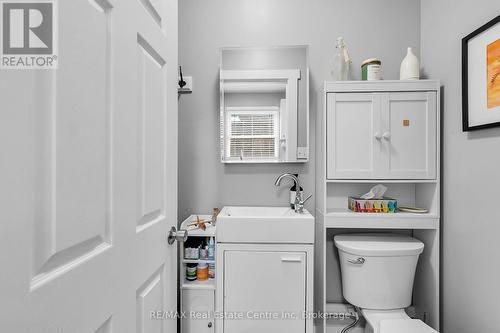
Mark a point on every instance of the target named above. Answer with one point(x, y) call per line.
point(264, 225)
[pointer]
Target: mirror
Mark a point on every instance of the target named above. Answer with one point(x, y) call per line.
point(264, 105)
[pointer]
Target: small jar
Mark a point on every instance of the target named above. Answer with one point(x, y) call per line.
point(371, 70)
point(202, 271)
point(203, 253)
point(191, 272)
point(195, 253)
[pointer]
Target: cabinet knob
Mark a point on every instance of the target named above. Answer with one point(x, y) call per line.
point(378, 136)
point(387, 136)
point(210, 325)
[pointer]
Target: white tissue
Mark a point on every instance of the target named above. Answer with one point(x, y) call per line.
point(376, 192)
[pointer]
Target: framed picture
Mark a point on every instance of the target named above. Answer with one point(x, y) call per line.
point(481, 77)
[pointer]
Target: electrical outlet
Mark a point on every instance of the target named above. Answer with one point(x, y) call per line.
point(188, 88)
point(302, 152)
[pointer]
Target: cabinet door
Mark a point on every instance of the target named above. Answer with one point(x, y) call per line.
point(200, 302)
point(352, 145)
point(409, 130)
point(265, 283)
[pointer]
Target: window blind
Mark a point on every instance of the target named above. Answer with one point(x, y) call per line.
point(253, 134)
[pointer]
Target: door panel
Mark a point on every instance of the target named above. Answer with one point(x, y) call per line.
point(151, 106)
point(251, 276)
point(87, 188)
point(410, 149)
point(72, 147)
point(150, 297)
point(352, 149)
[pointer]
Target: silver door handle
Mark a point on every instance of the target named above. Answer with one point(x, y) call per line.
point(174, 235)
point(386, 136)
point(358, 261)
point(291, 259)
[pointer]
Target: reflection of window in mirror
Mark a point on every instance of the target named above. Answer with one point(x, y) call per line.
point(264, 105)
point(253, 133)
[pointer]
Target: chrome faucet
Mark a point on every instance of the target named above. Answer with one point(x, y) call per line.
point(299, 201)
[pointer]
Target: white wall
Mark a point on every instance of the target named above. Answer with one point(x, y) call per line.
point(471, 175)
point(382, 28)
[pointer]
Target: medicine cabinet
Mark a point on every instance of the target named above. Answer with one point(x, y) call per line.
point(264, 105)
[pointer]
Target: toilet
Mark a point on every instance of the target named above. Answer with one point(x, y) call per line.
point(377, 276)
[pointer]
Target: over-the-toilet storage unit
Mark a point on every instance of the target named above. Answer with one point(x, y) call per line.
point(368, 133)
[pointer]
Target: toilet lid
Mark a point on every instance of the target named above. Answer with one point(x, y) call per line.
point(405, 325)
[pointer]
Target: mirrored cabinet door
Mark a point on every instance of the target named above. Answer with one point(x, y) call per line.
point(264, 105)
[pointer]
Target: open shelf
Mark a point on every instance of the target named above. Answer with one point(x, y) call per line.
point(196, 284)
point(378, 181)
point(344, 218)
point(196, 261)
point(409, 194)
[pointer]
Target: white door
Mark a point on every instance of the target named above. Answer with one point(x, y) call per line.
point(250, 277)
point(409, 130)
point(353, 139)
point(88, 175)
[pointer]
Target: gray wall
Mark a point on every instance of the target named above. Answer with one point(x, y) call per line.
point(471, 177)
point(381, 29)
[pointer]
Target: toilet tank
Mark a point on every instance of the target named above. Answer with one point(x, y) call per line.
point(378, 270)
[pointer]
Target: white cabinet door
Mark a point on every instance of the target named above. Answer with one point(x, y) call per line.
point(260, 283)
point(352, 135)
point(197, 302)
point(409, 130)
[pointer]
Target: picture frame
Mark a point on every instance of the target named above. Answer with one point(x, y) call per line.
point(481, 77)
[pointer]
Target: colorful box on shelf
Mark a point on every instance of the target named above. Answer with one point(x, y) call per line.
point(384, 205)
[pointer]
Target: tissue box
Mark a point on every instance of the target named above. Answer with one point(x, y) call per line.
point(384, 205)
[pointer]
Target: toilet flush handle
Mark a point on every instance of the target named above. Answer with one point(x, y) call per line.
point(358, 261)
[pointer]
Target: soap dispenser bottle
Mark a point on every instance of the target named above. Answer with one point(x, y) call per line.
point(293, 192)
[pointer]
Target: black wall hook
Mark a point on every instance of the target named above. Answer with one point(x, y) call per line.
point(182, 83)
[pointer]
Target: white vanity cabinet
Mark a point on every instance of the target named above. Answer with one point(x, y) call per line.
point(265, 270)
point(268, 285)
point(381, 134)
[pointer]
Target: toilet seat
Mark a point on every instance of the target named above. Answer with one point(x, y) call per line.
point(404, 325)
point(394, 321)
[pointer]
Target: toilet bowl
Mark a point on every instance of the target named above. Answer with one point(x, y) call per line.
point(378, 271)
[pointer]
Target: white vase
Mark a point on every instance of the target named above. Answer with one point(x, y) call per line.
point(410, 67)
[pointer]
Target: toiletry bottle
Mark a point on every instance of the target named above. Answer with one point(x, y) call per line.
point(341, 61)
point(211, 271)
point(211, 248)
point(293, 192)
